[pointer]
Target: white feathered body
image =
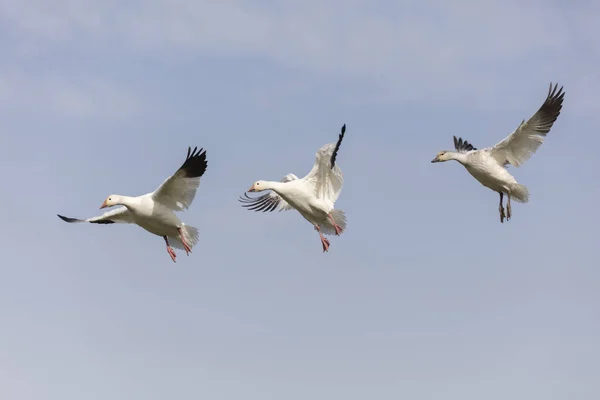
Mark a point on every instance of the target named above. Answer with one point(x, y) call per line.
point(154, 217)
point(488, 172)
point(313, 209)
point(159, 219)
point(483, 167)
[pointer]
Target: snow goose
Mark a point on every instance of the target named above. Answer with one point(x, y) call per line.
point(313, 196)
point(489, 165)
point(155, 211)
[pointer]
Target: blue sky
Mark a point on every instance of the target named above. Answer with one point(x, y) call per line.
point(426, 296)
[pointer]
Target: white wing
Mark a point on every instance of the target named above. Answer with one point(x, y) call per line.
point(178, 191)
point(270, 201)
point(326, 176)
point(118, 215)
point(520, 145)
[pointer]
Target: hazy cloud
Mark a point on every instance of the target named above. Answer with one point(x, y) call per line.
point(430, 52)
point(64, 96)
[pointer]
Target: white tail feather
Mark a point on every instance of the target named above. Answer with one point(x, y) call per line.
point(190, 234)
point(340, 219)
point(519, 193)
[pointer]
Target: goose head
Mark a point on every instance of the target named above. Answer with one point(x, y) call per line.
point(443, 156)
point(112, 200)
point(259, 186)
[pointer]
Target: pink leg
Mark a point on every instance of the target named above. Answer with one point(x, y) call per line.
point(170, 250)
point(324, 240)
point(338, 229)
point(187, 248)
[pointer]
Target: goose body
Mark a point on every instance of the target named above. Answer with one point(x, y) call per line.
point(313, 196)
point(155, 211)
point(488, 172)
point(489, 165)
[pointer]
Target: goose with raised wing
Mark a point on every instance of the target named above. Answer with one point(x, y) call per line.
point(313, 196)
point(155, 212)
point(489, 165)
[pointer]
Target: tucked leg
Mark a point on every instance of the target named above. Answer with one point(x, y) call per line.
point(324, 240)
point(170, 249)
point(338, 229)
point(508, 209)
point(501, 208)
point(187, 248)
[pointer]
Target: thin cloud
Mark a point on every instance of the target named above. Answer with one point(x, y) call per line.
point(64, 97)
point(431, 52)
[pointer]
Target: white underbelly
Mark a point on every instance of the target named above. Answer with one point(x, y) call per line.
point(162, 223)
point(311, 209)
point(497, 179)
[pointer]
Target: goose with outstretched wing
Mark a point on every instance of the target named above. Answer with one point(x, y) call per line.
point(489, 165)
point(155, 212)
point(313, 196)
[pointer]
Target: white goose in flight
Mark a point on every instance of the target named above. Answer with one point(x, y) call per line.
point(488, 165)
point(313, 196)
point(155, 211)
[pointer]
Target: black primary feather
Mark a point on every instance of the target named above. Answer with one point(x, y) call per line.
point(264, 203)
point(337, 146)
point(462, 146)
point(195, 163)
point(69, 220)
point(550, 110)
point(74, 220)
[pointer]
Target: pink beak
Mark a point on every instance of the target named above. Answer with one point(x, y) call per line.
point(251, 189)
point(103, 205)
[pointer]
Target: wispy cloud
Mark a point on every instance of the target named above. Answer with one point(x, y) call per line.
point(64, 96)
point(434, 52)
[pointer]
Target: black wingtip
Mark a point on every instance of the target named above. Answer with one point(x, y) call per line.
point(550, 109)
point(337, 146)
point(195, 163)
point(67, 219)
point(555, 94)
point(552, 90)
point(462, 146)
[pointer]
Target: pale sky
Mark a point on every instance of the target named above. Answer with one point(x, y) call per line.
point(425, 297)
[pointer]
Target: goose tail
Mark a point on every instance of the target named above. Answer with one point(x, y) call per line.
point(340, 219)
point(190, 235)
point(519, 193)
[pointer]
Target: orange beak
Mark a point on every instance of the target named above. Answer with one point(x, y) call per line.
point(251, 189)
point(103, 205)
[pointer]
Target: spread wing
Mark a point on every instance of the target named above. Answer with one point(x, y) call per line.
point(268, 202)
point(326, 176)
point(118, 215)
point(178, 191)
point(520, 145)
